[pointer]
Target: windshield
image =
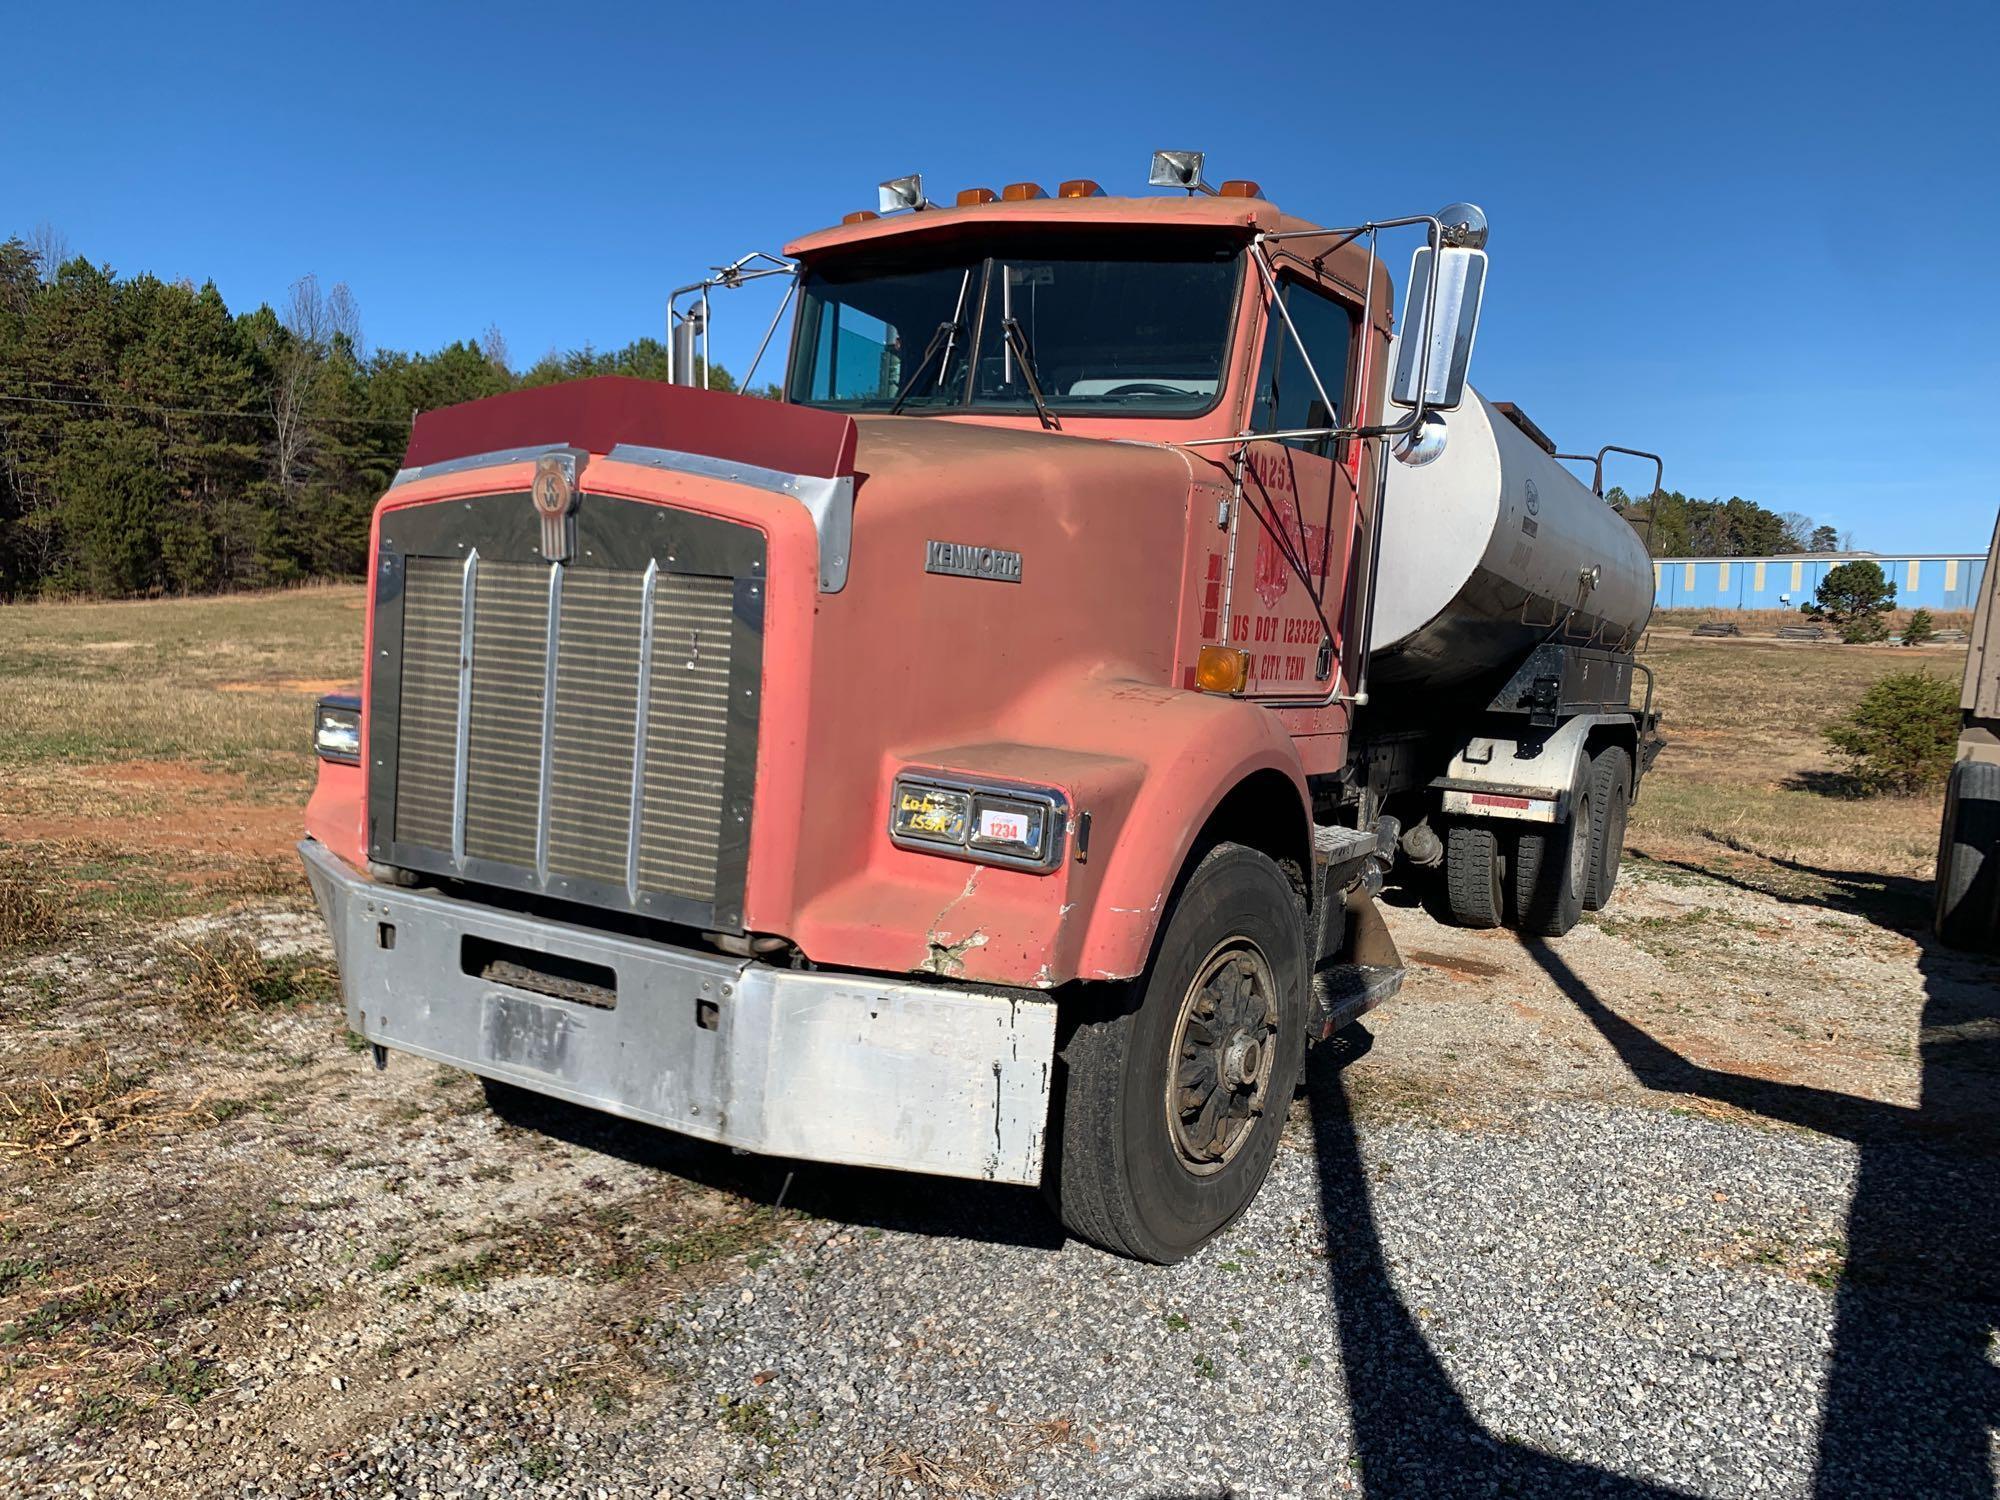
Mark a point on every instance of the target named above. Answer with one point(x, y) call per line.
point(1109, 328)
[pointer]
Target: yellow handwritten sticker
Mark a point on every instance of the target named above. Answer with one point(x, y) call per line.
point(931, 812)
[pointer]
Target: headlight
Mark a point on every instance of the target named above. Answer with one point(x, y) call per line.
point(931, 814)
point(1002, 825)
point(337, 730)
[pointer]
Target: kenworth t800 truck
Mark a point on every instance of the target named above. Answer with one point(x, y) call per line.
point(983, 760)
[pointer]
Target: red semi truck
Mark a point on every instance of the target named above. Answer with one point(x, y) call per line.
point(982, 761)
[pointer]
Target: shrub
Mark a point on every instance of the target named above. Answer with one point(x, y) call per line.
point(1863, 629)
point(1902, 735)
point(1920, 629)
point(1853, 598)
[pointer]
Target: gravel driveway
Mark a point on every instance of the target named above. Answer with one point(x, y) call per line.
point(1699, 1200)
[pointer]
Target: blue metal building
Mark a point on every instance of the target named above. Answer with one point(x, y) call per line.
point(1934, 580)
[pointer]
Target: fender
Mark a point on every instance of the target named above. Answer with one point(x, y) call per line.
point(1147, 764)
point(1534, 775)
point(1197, 749)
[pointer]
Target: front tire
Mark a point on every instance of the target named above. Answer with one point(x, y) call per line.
point(1173, 1101)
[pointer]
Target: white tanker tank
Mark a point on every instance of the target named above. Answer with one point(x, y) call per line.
point(1492, 548)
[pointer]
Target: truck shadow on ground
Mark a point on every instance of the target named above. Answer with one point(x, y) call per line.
point(1895, 903)
point(1911, 1395)
point(857, 1196)
point(1413, 1433)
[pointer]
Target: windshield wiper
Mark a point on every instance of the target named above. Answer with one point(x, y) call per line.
point(1018, 342)
point(947, 334)
point(946, 338)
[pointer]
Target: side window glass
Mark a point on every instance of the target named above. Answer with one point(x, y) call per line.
point(1286, 397)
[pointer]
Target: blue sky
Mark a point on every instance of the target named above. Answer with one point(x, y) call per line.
point(1754, 237)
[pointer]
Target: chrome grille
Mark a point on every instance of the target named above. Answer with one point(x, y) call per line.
point(597, 695)
point(428, 716)
point(503, 763)
point(569, 729)
point(691, 668)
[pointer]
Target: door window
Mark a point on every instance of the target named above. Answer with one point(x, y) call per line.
point(1286, 397)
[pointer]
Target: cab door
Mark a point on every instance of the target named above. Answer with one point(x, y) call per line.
point(1294, 525)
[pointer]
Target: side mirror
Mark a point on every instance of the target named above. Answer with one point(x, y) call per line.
point(1461, 283)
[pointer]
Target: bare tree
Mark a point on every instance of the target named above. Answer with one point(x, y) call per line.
point(313, 320)
point(493, 344)
point(343, 317)
point(50, 248)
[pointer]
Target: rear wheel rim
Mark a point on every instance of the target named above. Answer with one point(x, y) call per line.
point(1225, 1046)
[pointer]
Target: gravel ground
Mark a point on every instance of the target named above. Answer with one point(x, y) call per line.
point(1701, 1200)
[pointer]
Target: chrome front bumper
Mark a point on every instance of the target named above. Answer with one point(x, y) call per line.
point(824, 1067)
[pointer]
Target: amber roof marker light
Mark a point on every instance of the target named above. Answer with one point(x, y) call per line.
point(1079, 187)
point(1022, 192)
point(1179, 169)
point(1241, 187)
point(973, 197)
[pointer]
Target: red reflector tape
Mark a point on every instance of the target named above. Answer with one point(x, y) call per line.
point(1487, 799)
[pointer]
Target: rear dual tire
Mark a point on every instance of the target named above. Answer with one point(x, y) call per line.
point(1541, 878)
point(1474, 869)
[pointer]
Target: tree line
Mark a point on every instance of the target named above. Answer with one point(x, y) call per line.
point(1677, 525)
point(152, 441)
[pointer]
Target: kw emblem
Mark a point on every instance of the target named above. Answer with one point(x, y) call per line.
point(554, 494)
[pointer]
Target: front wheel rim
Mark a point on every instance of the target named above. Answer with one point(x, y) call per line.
point(1223, 1051)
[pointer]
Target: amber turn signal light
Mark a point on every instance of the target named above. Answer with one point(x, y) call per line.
point(972, 197)
point(1221, 669)
point(1021, 192)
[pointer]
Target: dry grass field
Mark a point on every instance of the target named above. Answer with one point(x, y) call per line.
point(1763, 623)
point(153, 756)
point(1746, 785)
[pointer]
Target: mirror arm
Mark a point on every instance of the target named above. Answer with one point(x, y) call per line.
point(1434, 237)
point(770, 329)
point(754, 266)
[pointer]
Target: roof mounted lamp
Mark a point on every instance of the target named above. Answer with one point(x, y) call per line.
point(1179, 169)
point(903, 192)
